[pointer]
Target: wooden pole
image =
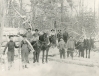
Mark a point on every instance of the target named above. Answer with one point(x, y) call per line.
point(61, 13)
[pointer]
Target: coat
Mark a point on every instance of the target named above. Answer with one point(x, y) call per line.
point(71, 44)
point(25, 47)
point(10, 45)
point(29, 35)
point(61, 45)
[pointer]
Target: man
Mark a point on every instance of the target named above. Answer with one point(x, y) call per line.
point(61, 47)
point(10, 54)
point(35, 45)
point(25, 48)
point(70, 46)
point(52, 32)
point(36, 34)
point(29, 34)
point(59, 35)
point(52, 38)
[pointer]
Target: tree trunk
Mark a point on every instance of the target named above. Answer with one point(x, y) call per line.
point(2, 17)
point(33, 13)
point(61, 11)
point(20, 12)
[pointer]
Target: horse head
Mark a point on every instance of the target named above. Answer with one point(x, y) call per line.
point(44, 38)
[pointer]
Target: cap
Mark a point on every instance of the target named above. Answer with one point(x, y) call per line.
point(52, 30)
point(36, 30)
point(10, 36)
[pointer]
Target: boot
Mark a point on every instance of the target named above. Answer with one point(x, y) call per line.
point(9, 66)
point(26, 66)
point(23, 66)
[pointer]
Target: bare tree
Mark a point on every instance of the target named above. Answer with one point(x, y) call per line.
point(2, 17)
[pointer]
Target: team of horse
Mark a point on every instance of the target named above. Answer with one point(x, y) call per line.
point(45, 42)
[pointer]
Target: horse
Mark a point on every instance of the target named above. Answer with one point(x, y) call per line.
point(52, 40)
point(65, 36)
point(80, 47)
point(88, 45)
point(45, 45)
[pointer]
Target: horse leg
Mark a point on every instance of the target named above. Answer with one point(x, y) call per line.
point(86, 53)
point(46, 55)
point(79, 53)
point(38, 53)
point(38, 56)
point(72, 54)
point(67, 54)
point(43, 56)
point(89, 54)
point(83, 54)
point(64, 54)
point(33, 57)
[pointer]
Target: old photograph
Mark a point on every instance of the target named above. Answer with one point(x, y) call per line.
point(49, 37)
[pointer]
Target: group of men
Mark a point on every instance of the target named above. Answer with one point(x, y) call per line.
point(24, 46)
point(64, 42)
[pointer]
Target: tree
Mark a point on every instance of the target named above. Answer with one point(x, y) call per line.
point(2, 17)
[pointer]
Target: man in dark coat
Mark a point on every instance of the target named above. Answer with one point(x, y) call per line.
point(10, 54)
point(59, 35)
point(36, 45)
point(52, 38)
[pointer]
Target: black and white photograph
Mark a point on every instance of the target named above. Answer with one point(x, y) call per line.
point(49, 37)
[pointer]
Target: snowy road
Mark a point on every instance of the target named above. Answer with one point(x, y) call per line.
point(55, 68)
point(52, 68)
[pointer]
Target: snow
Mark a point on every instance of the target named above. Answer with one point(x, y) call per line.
point(55, 67)
point(51, 69)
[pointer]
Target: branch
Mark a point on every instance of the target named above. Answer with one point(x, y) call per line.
point(18, 12)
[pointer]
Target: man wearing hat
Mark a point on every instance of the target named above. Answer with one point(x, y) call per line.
point(59, 35)
point(10, 54)
point(29, 34)
point(36, 32)
point(70, 46)
point(52, 38)
point(61, 47)
point(52, 32)
point(36, 35)
point(33, 42)
point(25, 48)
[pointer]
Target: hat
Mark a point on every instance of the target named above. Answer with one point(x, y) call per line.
point(52, 30)
point(36, 30)
point(10, 36)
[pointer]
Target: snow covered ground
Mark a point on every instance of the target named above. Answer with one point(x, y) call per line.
point(55, 68)
point(51, 69)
